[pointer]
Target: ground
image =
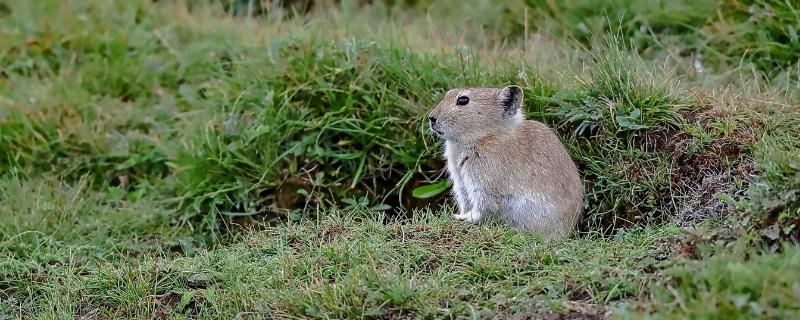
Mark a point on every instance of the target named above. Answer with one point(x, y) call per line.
point(241, 159)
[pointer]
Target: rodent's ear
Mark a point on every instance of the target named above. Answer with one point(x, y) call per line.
point(510, 98)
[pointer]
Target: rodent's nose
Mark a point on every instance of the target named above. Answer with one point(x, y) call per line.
point(432, 119)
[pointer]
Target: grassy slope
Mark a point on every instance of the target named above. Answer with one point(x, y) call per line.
point(133, 135)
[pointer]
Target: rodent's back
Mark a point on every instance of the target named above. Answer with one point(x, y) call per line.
point(541, 146)
point(550, 170)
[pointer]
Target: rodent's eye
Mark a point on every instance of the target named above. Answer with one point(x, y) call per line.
point(462, 101)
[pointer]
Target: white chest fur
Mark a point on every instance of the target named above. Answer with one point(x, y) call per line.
point(472, 188)
point(456, 156)
point(451, 155)
point(464, 187)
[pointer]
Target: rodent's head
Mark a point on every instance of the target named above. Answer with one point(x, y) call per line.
point(469, 114)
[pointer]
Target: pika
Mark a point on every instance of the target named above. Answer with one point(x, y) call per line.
point(502, 164)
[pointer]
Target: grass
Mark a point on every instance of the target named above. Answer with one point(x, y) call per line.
point(757, 35)
point(357, 264)
point(737, 283)
point(215, 159)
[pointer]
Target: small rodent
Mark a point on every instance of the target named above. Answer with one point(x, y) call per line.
point(499, 163)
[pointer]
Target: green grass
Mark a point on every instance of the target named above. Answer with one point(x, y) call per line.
point(738, 283)
point(757, 35)
point(212, 159)
point(352, 264)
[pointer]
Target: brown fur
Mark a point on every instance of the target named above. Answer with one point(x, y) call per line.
point(505, 165)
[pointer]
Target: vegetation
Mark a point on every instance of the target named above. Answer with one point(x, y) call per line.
point(240, 159)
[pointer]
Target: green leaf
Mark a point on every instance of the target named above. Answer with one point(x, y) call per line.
point(430, 190)
point(625, 123)
point(635, 114)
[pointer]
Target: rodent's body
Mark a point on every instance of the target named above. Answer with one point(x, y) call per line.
point(533, 194)
point(514, 168)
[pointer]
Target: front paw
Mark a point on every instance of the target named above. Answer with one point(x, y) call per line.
point(471, 216)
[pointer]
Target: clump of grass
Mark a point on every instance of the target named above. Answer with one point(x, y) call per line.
point(610, 119)
point(624, 185)
point(772, 207)
point(731, 284)
point(57, 129)
point(349, 116)
point(622, 94)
